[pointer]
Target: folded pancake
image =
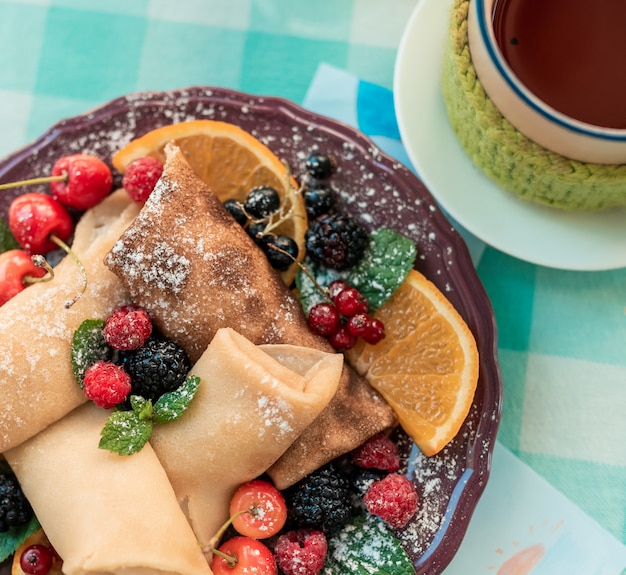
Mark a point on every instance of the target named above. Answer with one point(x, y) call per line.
point(104, 513)
point(37, 386)
point(192, 266)
point(252, 403)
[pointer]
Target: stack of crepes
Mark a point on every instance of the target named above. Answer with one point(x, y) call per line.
point(273, 397)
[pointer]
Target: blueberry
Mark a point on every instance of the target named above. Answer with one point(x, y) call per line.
point(262, 201)
point(319, 165)
point(318, 200)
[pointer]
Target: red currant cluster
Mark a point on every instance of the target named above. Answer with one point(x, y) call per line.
point(345, 318)
point(40, 222)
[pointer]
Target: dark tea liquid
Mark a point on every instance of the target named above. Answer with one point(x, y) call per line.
point(570, 53)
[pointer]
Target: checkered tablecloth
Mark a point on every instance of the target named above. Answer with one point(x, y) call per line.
point(562, 335)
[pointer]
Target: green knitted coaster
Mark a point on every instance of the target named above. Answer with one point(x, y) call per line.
point(512, 160)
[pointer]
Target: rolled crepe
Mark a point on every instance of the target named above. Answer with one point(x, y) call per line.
point(37, 386)
point(252, 403)
point(104, 513)
point(193, 267)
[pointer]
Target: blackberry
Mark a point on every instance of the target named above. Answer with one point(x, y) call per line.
point(15, 510)
point(157, 367)
point(321, 500)
point(336, 241)
point(318, 200)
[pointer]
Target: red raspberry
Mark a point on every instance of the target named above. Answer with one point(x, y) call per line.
point(140, 178)
point(379, 452)
point(393, 499)
point(301, 552)
point(106, 384)
point(127, 327)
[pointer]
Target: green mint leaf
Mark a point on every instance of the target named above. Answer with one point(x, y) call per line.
point(385, 264)
point(88, 346)
point(7, 241)
point(125, 432)
point(10, 540)
point(170, 406)
point(142, 407)
point(366, 546)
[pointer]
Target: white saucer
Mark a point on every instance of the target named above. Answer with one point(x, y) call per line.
point(531, 232)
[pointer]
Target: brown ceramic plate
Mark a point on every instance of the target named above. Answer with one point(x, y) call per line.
point(381, 193)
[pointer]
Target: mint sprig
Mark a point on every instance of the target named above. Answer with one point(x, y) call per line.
point(126, 432)
point(366, 546)
point(10, 540)
point(385, 264)
point(88, 346)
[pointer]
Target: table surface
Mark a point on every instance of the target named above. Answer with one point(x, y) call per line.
point(562, 335)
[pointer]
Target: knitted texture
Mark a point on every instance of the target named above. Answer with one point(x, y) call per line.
point(512, 160)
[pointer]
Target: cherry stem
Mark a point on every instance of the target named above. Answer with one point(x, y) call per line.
point(33, 181)
point(40, 262)
point(59, 242)
point(210, 547)
point(230, 559)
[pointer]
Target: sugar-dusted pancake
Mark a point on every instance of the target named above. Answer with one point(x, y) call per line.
point(188, 262)
point(252, 403)
point(104, 513)
point(37, 386)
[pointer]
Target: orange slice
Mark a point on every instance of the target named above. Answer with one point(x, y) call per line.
point(36, 538)
point(427, 365)
point(232, 162)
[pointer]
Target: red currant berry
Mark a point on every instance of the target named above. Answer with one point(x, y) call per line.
point(106, 384)
point(140, 178)
point(36, 560)
point(375, 332)
point(324, 318)
point(16, 266)
point(247, 556)
point(264, 506)
point(342, 339)
point(358, 324)
point(88, 182)
point(34, 218)
point(127, 327)
point(350, 301)
point(335, 287)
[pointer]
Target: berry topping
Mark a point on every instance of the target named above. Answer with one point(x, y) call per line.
point(335, 287)
point(88, 182)
point(15, 510)
point(379, 452)
point(157, 367)
point(140, 178)
point(235, 208)
point(244, 556)
point(342, 339)
point(350, 302)
point(127, 327)
point(319, 165)
point(281, 251)
point(318, 200)
point(393, 499)
point(336, 241)
point(262, 201)
point(37, 559)
point(106, 384)
point(301, 552)
point(264, 509)
point(321, 500)
point(34, 218)
point(324, 318)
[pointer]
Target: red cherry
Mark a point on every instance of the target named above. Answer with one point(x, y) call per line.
point(88, 182)
point(16, 266)
point(34, 218)
point(140, 178)
point(264, 507)
point(36, 560)
point(247, 557)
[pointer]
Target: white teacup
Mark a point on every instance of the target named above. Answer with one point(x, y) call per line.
point(556, 69)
